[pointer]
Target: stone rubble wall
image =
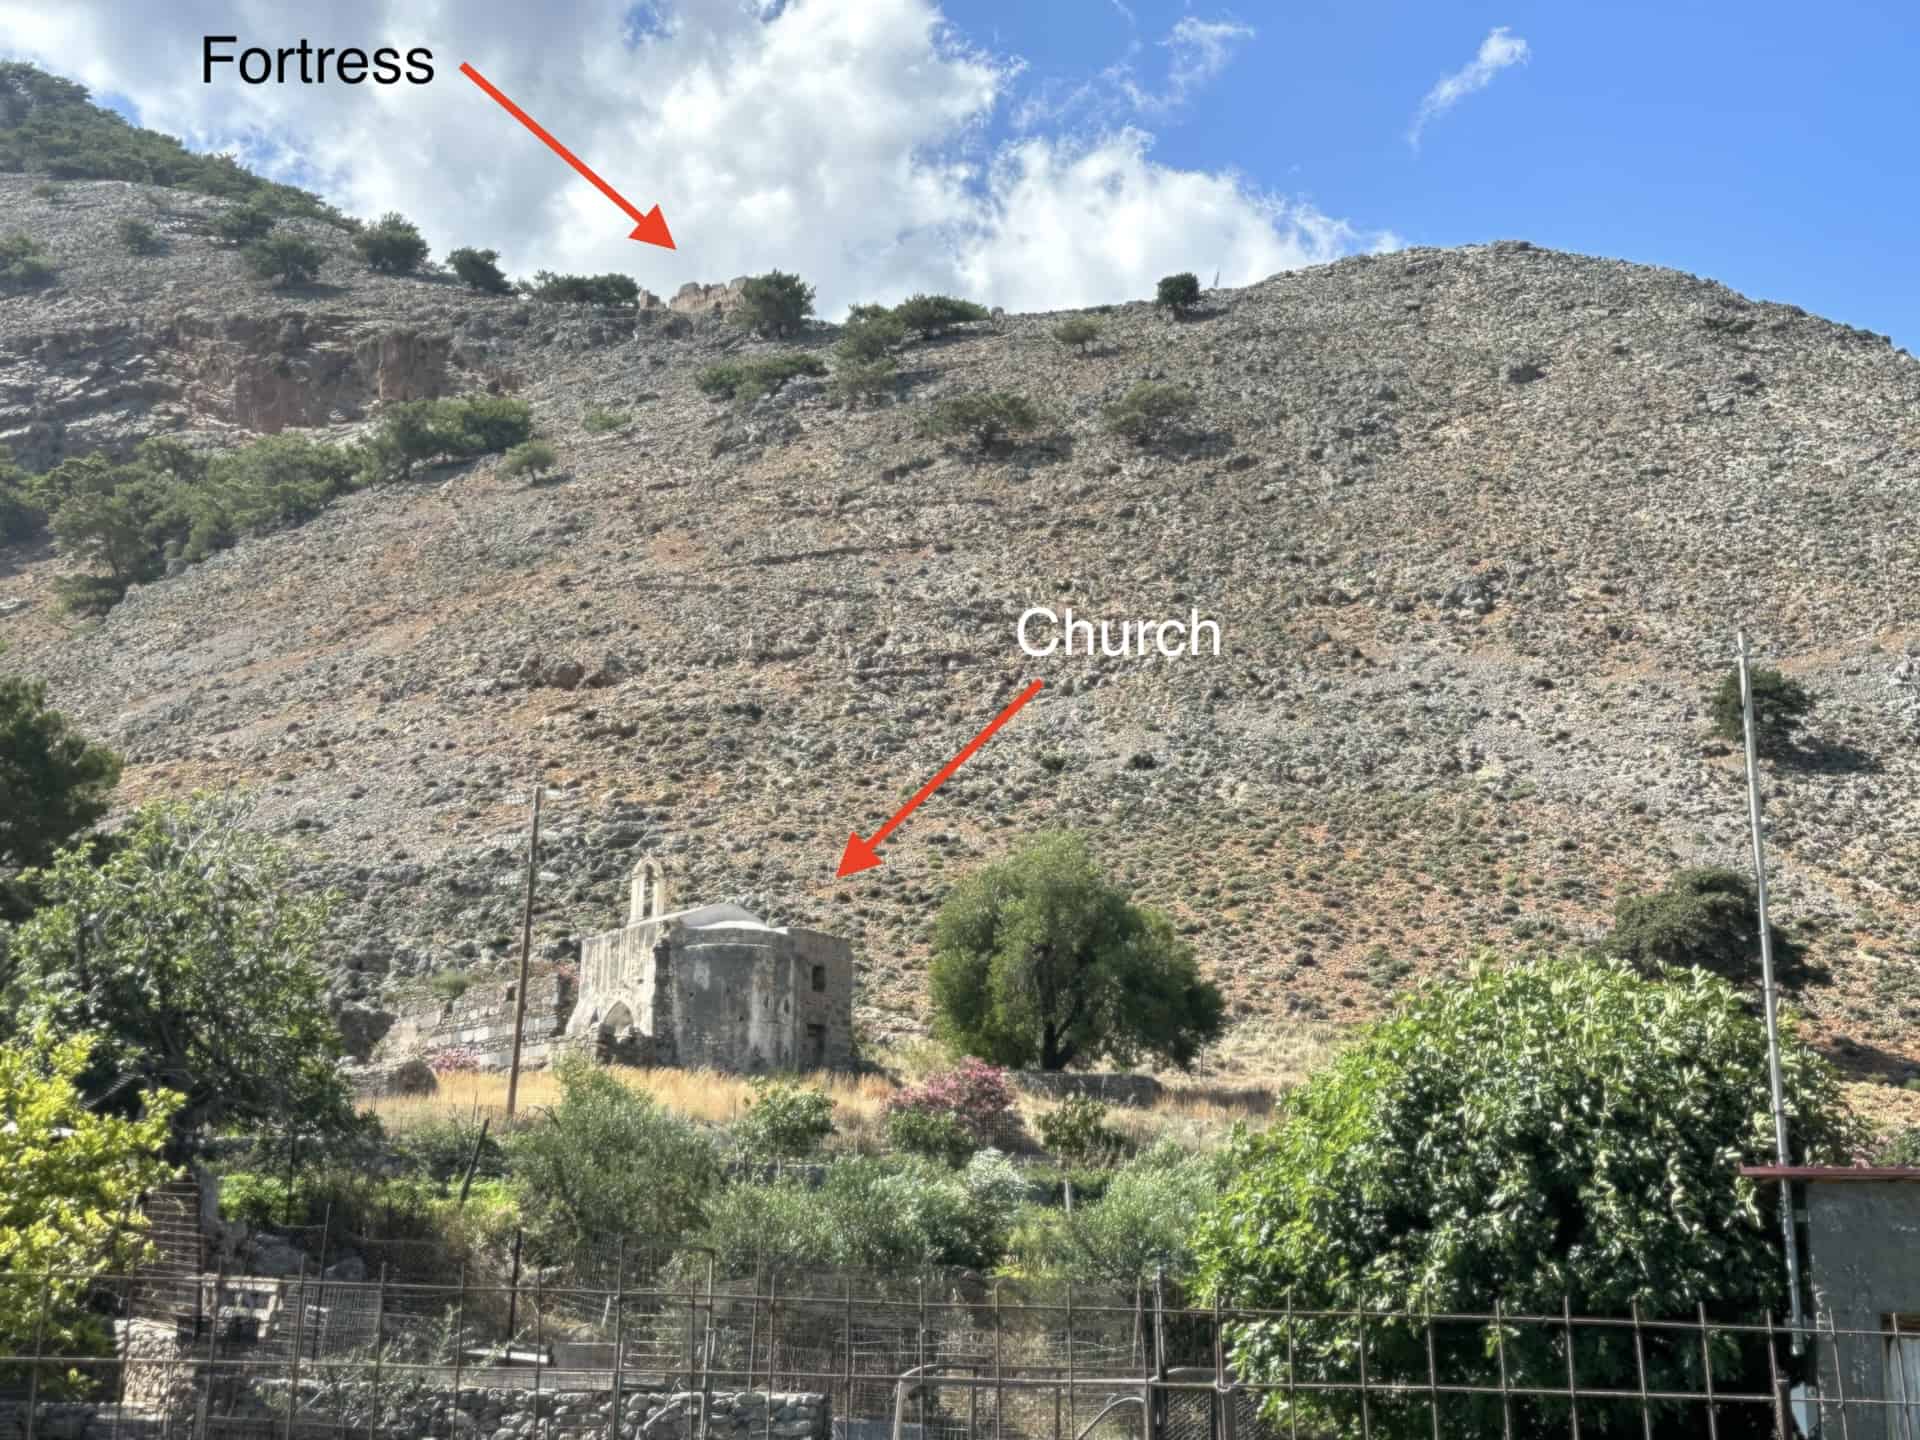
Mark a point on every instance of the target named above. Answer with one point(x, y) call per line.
point(481, 1022)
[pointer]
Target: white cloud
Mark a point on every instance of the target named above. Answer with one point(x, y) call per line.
point(1499, 50)
point(848, 142)
point(1197, 50)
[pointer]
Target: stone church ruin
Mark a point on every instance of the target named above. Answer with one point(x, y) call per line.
point(713, 985)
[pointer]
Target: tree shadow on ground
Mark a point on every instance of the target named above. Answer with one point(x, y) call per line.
point(1830, 757)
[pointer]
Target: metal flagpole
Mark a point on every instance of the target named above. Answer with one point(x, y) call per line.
point(526, 949)
point(1781, 1150)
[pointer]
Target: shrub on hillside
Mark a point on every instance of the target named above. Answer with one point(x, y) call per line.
point(871, 333)
point(775, 303)
point(391, 245)
point(1780, 707)
point(608, 289)
point(478, 269)
point(1078, 333)
point(932, 315)
point(20, 513)
point(750, 379)
point(984, 416)
point(1150, 412)
point(137, 237)
point(601, 421)
point(1707, 917)
point(56, 782)
point(23, 264)
point(418, 431)
point(1177, 292)
point(784, 1121)
point(854, 383)
point(529, 459)
point(1901, 1148)
point(285, 259)
point(244, 224)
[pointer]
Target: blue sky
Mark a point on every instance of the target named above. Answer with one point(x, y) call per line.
point(1062, 153)
point(1773, 147)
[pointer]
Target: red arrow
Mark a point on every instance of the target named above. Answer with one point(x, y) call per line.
point(651, 227)
point(862, 855)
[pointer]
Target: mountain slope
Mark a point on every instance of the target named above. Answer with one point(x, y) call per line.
point(1477, 526)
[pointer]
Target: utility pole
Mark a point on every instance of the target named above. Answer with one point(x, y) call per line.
point(1782, 1153)
point(526, 952)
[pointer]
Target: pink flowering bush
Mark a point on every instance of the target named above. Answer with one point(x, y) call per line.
point(974, 1093)
point(450, 1059)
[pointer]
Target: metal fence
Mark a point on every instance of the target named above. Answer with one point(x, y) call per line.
point(689, 1356)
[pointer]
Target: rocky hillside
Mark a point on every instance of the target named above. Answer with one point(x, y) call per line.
point(1477, 525)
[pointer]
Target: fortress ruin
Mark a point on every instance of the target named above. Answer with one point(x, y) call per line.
point(714, 985)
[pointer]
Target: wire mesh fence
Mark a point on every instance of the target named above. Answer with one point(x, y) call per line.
point(689, 1355)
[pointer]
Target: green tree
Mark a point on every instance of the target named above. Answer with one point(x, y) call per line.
point(606, 1162)
point(67, 1210)
point(750, 379)
point(1706, 917)
point(20, 513)
point(986, 416)
point(1780, 707)
point(1177, 292)
point(285, 259)
point(1038, 960)
point(54, 783)
point(869, 381)
point(479, 269)
point(1563, 1131)
point(1144, 1222)
point(392, 244)
point(932, 315)
point(775, 303)
point(187, 954)
point(607, 289)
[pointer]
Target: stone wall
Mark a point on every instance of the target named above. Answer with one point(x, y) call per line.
point(481, 1022)
point(1116, 1088)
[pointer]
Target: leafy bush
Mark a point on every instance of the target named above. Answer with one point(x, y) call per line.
point(1901, 1149)
point(478, 269)
point(1555, 1132)
point(932, 315)
point(1780, 707)
point(244, 224)
point(1151, 411)
point(137, 237)
point(1144, 1219)
point(931, 1135)
point(449, 984)
point(775, 303)
point(749, 379)
point(23, 264)
point(1177, 292)
point(531, 458)
point(1076, 1129)
point(601, 421)
point(607, 1161)
point(871, 333)
point(20, 513)
point(856, 382)
point(977, 1095)
point(442, 1149)
point(1705, 917)
point(285, 259)
point(785, 1121)
point(608, 289)
point(1078, 332)
point(985, 415)
point(391, 245)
